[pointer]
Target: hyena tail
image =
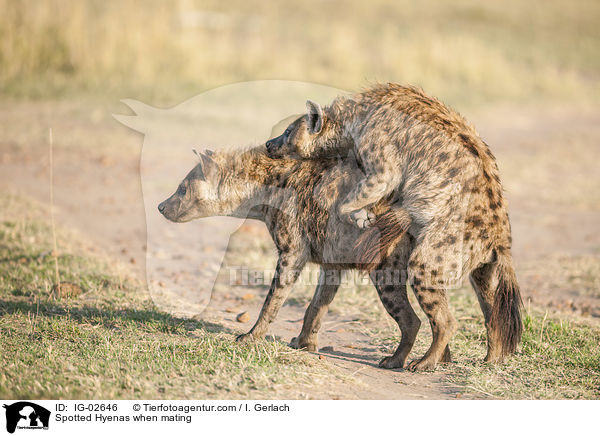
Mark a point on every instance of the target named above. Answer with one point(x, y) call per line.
point(378, 242)
point(505, 320)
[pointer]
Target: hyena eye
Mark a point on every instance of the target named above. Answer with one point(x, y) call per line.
point(181, 190)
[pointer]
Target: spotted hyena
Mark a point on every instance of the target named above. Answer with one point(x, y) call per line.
point(413, 147)
point(298, 201)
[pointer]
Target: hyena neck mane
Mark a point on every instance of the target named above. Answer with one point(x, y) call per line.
point(346, 112)
point(258, 183)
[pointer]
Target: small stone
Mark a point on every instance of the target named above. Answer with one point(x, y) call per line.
point(328, 349)
point(321, 357)
point(231, 310)
point(248, 296)
point(243, 317)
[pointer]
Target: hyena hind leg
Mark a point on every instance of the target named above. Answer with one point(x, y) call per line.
point(443, 326)
point(434, 303)
point(395, 301)
point(484, 282)
point(390, 282)
point(433, 267)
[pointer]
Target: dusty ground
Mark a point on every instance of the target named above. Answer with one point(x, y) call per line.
point(548, 163)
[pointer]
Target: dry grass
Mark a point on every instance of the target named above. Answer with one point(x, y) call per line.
point(464, 52)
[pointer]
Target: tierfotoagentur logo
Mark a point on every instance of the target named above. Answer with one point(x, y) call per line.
point(25, 415)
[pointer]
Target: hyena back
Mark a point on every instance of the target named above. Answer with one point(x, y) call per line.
point(412, 146)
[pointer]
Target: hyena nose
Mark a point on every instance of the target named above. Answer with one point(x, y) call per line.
point(161, 207)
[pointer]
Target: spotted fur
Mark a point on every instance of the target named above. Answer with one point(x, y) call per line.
point(437, 169)
point(298, 201)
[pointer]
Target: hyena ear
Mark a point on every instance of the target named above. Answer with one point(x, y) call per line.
point(209, 167)
point(315, 116)
point(209, 153)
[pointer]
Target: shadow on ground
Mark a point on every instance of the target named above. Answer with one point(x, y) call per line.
point(107, 317)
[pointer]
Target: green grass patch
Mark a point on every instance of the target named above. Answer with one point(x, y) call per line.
point(558, 359)
point(111, 342)
point(53, 351)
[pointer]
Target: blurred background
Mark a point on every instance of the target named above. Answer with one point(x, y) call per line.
point(464, 52)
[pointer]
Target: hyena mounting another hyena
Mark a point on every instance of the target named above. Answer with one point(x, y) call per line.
point(447, 181)
point(295, 199)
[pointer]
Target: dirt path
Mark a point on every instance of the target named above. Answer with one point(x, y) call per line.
point(99, 193)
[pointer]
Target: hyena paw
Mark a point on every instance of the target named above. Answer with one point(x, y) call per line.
point(246, 337)
point(363, 218)
point(390, 362)
point(303, 345)
point(424, 364)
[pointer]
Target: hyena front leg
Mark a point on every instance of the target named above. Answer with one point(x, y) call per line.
point(368, 191)
point(329, 282)
point(287, 272)
point(382, 177)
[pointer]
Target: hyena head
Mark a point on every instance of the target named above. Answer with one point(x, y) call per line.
point(316, 134)
point(198, 195)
